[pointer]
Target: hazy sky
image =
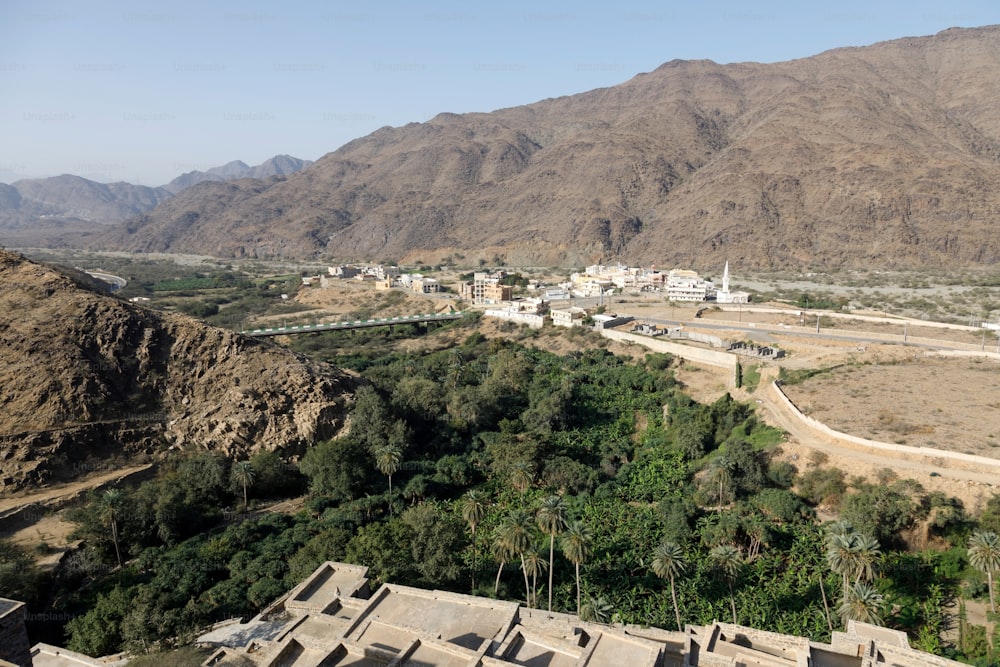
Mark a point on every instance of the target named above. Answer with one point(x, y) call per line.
point(142, 91)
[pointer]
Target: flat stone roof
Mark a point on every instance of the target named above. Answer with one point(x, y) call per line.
point(318, 625)
point(463, 620)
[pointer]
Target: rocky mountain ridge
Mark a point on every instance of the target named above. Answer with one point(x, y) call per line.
point(884, 155)
point(32, 202)
point(86, 379)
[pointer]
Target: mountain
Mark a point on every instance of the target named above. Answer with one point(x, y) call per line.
point(38, 207)
point(74, 197)
point(279, 165)
point(87, 379)
point(885, 155)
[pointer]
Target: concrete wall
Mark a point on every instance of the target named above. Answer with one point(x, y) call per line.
point(696, 355)
point(938, 457)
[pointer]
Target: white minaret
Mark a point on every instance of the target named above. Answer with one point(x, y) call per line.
point(725, 279)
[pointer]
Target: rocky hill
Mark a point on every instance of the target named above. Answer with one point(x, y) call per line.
point(885, 155)
point(86, 379)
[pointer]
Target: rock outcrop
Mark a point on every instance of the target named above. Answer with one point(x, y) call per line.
point(87, 379)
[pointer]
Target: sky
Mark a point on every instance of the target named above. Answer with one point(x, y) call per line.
point(142, 92)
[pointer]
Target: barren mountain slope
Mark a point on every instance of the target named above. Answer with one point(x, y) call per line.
point(882, 155)
point(86, 379)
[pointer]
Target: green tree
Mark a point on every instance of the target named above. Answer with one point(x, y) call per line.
point(521, 475)
point(719, 481)
point(551, 517)
point(534, 563)
point(111, 503)
point(852, 555)
point(473, 513)
point(436, 541)
point(502, 554)
point(18, 573)
point(861, 602)
point(515, 534)
point(388, 457)
point(336, 468)
point(98, 632)
point(728, 564)
point(575, 543)
point(669, 563)
point(984, 555)
point(244, 475)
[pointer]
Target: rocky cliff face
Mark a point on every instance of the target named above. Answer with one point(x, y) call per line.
point(877, 156)
point(86, 379)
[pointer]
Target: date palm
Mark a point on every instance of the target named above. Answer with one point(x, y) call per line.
point(515, 534)
point(853, 556)
point(521, 476)
point(727, 563)
point(861, 603)
point(551, 517)
point(244, 475)
point(984, 555)
point(534, 563)
point(502, 554)
point(387, 459)
point(110, 505)
point(669, 563)
point(473, 512)
point(575, 543)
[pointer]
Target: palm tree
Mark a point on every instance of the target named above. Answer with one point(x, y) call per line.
point(473, 512)
point(861, 603)
point(551, 517)
point(534, 562)
point(984, 555)
point(866, 554)
point(841, 556)
point(521, 475)
point(502, 554)
point(243, 473)
point(575, 543)
point(515, 533)
point(728, 563)
point(668, 562)
point(387, 460)
point(852, 555)
point(720, 475)
point(110, 505)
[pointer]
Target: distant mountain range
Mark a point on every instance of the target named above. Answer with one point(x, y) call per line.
point(69, 200)
point(279, 165)
point(879, 156)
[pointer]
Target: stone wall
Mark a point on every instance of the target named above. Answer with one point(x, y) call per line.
point(938, 457)
point(697, 355)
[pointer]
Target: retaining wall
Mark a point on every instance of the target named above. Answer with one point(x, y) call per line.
point(694, 354)
point(938, 457)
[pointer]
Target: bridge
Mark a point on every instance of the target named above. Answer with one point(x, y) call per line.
point(355, 324)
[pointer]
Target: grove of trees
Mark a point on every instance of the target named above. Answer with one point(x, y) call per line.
point(583, 483)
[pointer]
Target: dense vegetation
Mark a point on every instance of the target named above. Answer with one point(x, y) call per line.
point(491, 467)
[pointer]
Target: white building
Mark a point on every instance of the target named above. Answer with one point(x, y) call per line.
point(684, 285)
point(568, 317)
point(725, 296)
